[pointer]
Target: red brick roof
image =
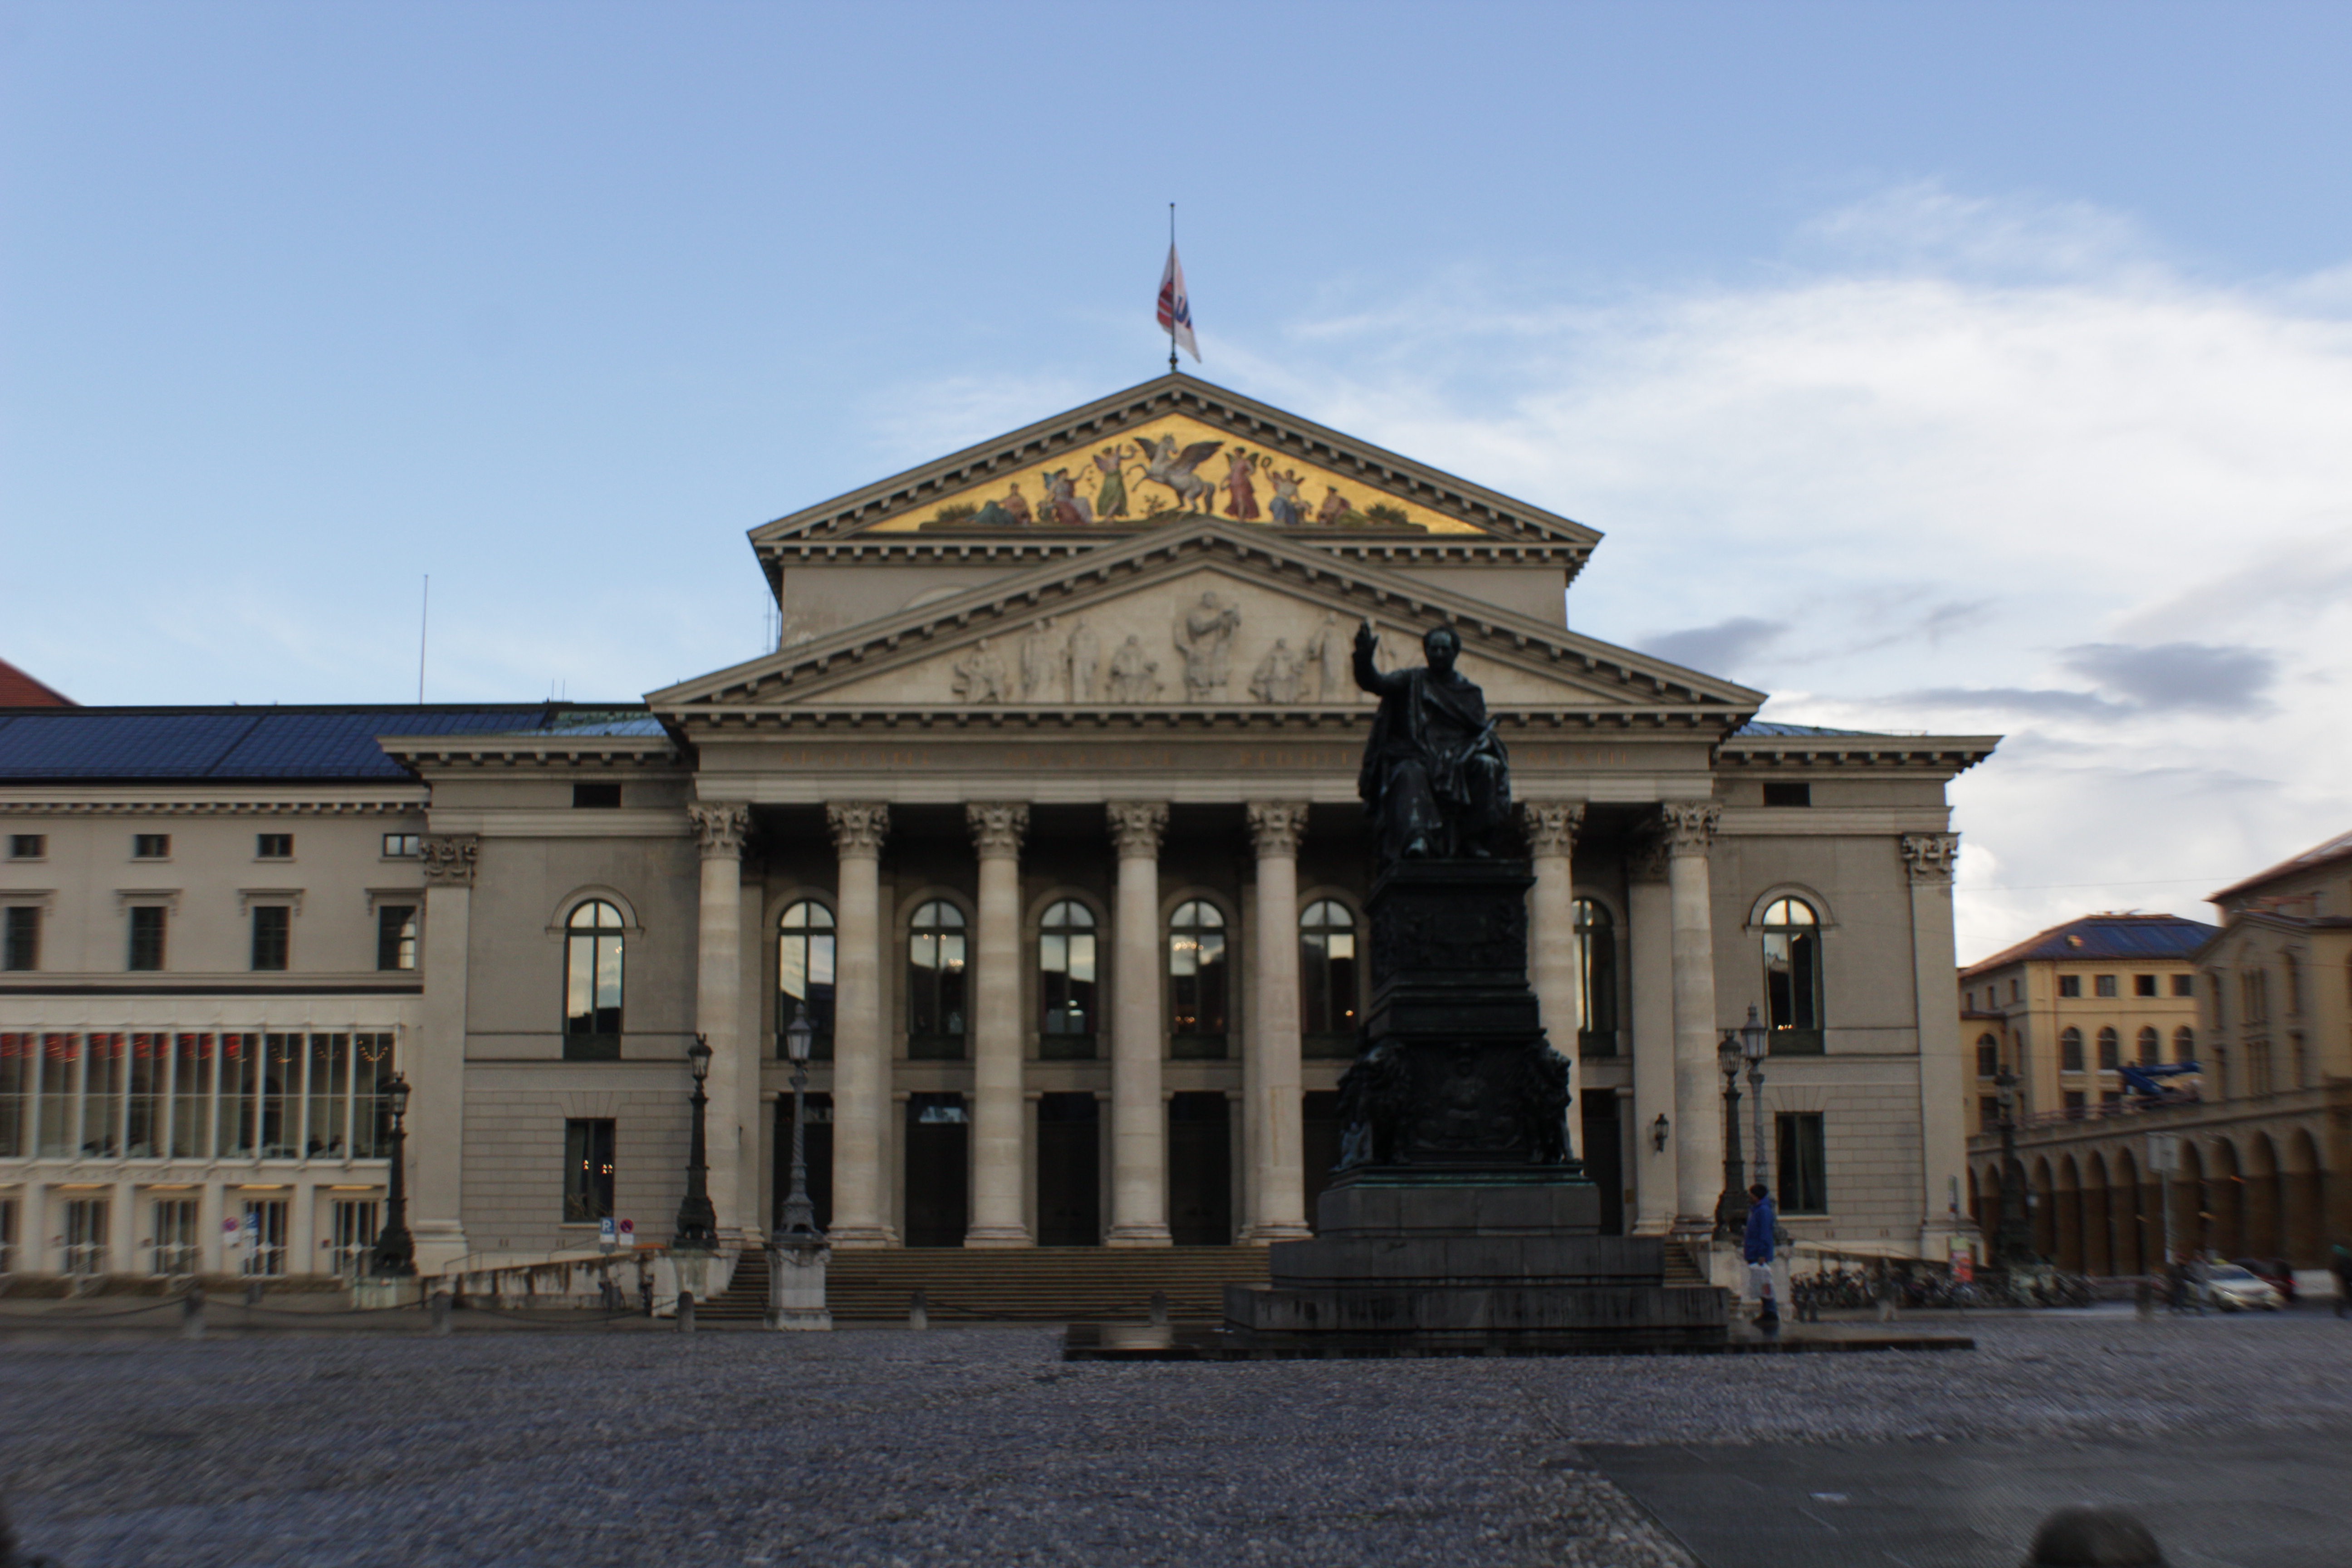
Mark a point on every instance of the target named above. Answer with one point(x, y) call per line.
point(18, 689)
point(2336, 848)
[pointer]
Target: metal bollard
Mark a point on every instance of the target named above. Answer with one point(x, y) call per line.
point(1159, 1309)
point(685, 1311)
point(918, 1312)
point(442, 1307)
point(2079, 1536)
point(191, 1315)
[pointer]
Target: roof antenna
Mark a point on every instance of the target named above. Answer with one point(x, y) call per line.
point(423, 612)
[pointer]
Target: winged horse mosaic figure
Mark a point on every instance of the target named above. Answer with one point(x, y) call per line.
point(1165, 465)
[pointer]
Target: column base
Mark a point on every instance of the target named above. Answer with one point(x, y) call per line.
point(998, 1237)
point(1283, 1230)
point(862, 1237)
point(1651, 1224)
point(439, 1244)
point(1138, 1235)
point(1698, 1228)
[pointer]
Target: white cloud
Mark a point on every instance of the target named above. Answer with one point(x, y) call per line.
point(1994, 468)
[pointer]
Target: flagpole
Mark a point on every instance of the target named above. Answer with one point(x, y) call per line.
point(1172, 315)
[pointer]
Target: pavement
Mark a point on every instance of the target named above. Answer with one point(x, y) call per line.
point(980, 1445)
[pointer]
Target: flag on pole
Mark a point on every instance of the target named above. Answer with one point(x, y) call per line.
point(1176, 308)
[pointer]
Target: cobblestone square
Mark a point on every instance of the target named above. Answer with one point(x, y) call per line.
point(980, 1445)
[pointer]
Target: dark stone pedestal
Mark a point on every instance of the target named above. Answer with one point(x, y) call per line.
point(1457, 1220)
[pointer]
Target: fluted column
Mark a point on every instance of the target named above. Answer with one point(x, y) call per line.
point(1138, 1122)
point(1650, 915)
point(1272, 1084)
point(1688, 828)
point(861, 1058)
point(1930, 860)
point(721, 829)
point(433, 1058)
point(1552, 956)
point(998, 1113)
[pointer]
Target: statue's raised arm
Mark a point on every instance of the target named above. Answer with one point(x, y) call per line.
point(1435, 777)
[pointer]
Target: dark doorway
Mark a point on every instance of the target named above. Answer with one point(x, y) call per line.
point(1069, 1170)
point(1200, 1171)
point(1604, 1157)
point(938, 1170)
point(818, 1151)
point(1320, 1124)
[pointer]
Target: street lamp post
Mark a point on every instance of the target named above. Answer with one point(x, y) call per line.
point(1754, 1041)
point(698, 1222)
point(797, 1251)
point(395, 1256)
point(2013, 1239)
point(1731, 1208)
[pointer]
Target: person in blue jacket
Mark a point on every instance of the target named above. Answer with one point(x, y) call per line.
point(1763, 1220)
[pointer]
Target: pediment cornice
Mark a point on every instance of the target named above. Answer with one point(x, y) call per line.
point(1614, 686)
point(1496, 526)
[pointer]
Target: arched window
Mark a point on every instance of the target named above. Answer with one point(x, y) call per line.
point(1987, 1056)
point(1196, 981)
point(1327, 979)
point(1793, 976)
point(2184, 1044)
point(592, 983)
point(2110, 1050)
point(2070, 1050)
point(1065, 982)
point(2151, 1047)
point(1596, 978)
point(804, 953)
point(936, 1003)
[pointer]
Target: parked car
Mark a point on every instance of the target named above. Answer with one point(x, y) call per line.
point(2232, 1288)
point(2274, 1272)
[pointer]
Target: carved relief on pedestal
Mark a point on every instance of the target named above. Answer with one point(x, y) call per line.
point(1133, 678)
point(721, 829)
point(1551, 825)
point(1931, 856)
point(1204, 636)
point(858, 827)
point(997, 827)
point(449, 860)
point(1136, 827)
point(1278, 825)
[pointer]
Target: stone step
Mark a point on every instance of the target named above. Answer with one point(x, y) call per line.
point(1045, 1284)
point(1683, 1269)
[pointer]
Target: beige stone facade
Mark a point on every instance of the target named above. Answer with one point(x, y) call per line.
point(1048, 814)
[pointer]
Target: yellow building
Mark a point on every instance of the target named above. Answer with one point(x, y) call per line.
point(2065, 1008)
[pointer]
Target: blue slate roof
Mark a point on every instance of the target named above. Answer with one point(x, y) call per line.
point(1767, 728)
point(221, 744)
point(2117, 937)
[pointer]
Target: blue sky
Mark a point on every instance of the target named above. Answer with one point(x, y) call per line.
point(1977, 368)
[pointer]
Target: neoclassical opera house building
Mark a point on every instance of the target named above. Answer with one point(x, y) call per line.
point(1044, 809)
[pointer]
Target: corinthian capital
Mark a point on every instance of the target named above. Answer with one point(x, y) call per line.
point(1136, 827)
point(997, 827)
point(722, 828)
point(1931, 856)
point(1551, 825)
point(449, 860)
point(1687, 827)
point(1278, 825)
point(858, 827)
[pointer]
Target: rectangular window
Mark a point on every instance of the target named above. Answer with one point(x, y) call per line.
point(150, 846)
point(356, 1221)
point(329, 1088)
point(1988, 1113)
point(273, 847)
point(2143, 984)
point(28, 846)
point(146, 937)
point(19, 1064)
point(2074, 1099)
point(404, 845)
point(2184, 985)
point(175, 1237)
point(1788, 795)
point(395, 936)
point(2070, 985)
point(235, 1106)
point(371, 1097)
point(192, 1094)
point(1988, 1059)
point(281, 1097)
point(20, 947)
point(2016, 990)
point(1804, 1163)
point(84, 1235)
point(2105, 986)
point(151, 1060)
point(587, 1171)
point(273, 929)
point(596, 796)
point(263, 1238)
